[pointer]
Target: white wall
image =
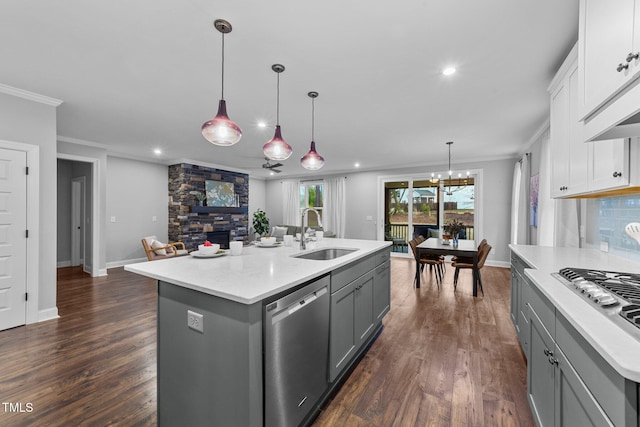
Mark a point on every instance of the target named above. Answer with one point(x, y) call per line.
point(362, 198)
point(257, 197)
point(29, 122)
point(136, 192)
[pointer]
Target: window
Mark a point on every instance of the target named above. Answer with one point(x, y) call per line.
point(312, 196)
point(422, 205)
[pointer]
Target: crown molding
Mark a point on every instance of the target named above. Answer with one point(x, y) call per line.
point(31, 96)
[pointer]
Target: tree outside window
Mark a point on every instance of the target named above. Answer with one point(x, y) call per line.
point(312, 196)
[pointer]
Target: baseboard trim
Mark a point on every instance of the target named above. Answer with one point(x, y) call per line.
point(124, 262)
point(62, 264)
point(48, 314)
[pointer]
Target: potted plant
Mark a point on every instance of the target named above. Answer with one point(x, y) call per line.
point(261, 222)
point(202, 198)
point(453, 228)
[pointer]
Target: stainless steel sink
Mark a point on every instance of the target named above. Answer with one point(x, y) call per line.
point(325, 253)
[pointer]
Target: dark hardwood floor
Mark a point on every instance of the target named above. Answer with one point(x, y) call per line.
point(443, 359)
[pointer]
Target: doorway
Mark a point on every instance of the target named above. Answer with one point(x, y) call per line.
point(422, 205)
point(75, 226)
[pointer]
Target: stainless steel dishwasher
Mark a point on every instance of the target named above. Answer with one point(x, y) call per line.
point(296, 352)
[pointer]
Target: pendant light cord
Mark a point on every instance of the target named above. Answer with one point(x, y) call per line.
point(313, 117)
point(278, 101)
point(222, 96)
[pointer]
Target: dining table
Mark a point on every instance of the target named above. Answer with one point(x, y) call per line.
point(464, 248)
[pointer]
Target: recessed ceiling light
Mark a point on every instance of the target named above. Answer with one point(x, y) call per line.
point(157, 151)
point(272, 173)
point(357, 165)
point(448, 71)
point(262, 124)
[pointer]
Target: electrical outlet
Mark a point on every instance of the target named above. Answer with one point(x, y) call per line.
point(195, 321)
point(113, 219)
point(154, 218)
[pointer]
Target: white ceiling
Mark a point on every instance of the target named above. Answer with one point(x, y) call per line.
point(140, 75)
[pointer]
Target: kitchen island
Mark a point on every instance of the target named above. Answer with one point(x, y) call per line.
point(213, 344)
point(582, 361)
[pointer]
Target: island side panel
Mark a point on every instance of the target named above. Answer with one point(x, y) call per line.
point(212, 377)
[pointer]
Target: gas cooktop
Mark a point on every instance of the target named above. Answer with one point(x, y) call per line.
point(613, 292)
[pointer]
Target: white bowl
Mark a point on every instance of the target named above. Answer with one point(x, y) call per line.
point(208, 250)
point(267, 241)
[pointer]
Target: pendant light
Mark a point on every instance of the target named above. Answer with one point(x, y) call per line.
point(221, 130)
point(277, 148)
point(450, 192)
point(312, 160)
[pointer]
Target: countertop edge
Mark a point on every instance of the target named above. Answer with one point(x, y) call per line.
point(317, 269)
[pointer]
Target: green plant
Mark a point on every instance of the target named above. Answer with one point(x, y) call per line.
point(453, 227)
point(201, 196)
point(260, 222)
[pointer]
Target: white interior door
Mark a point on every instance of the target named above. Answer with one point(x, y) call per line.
point(77, 221)
point(13, 240)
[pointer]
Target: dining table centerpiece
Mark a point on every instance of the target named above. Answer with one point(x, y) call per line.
point(453, 228)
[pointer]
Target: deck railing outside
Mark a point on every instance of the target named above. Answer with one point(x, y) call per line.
point(401, 231)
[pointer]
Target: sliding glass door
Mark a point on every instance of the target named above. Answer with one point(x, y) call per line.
point(415, 206)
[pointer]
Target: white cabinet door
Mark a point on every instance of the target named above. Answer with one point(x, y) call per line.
point(559, 135)
point(609, 164)
point(606, 37)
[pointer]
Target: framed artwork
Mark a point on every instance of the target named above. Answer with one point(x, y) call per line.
point(220, 194)
point(533, 191)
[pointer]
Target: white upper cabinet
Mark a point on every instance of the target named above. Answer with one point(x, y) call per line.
point(609, 64)
point(569, 174)
point(580, 169)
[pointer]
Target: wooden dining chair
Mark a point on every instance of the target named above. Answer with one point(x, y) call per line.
point(427, 259)
point(482, 257)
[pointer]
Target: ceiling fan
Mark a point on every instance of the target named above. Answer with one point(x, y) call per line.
point(272, 167)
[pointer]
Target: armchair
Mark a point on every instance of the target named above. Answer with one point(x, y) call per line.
point(155, 250)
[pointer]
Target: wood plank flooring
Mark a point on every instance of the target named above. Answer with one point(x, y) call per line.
point(443, 359)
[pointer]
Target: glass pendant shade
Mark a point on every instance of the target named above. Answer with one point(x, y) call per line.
point(221, 130)
point(312, 160)
point(277, 148)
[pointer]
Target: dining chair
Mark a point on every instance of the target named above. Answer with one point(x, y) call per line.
point(469, 259)
point(426, 259)
point(482, 257)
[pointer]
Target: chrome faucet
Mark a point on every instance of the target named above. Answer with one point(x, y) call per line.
point(303, 242)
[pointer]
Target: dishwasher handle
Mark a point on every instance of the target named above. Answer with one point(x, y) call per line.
point(298, 305)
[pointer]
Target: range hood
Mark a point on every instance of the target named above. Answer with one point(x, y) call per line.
point(617, 118)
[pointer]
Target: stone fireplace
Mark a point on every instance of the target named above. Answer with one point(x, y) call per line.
point(191, 223)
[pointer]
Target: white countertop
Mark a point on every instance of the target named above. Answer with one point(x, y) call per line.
point(618, 345)
point(255, 274)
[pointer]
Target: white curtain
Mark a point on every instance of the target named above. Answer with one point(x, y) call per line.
point(335, 206)
point(290, 202)
point(520, 202)
point(546, 205)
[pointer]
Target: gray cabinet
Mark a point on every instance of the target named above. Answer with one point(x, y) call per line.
point(381, 290)
point(519, 307)
point(359, 300)
point(557, 395)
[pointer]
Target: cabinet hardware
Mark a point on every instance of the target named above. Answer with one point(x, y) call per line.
point(553, 360)
point(548, 352)
point(631, 56)
point(617, 174)
point(622, 66)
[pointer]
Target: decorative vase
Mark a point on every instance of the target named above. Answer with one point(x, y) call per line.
point(455, 240)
